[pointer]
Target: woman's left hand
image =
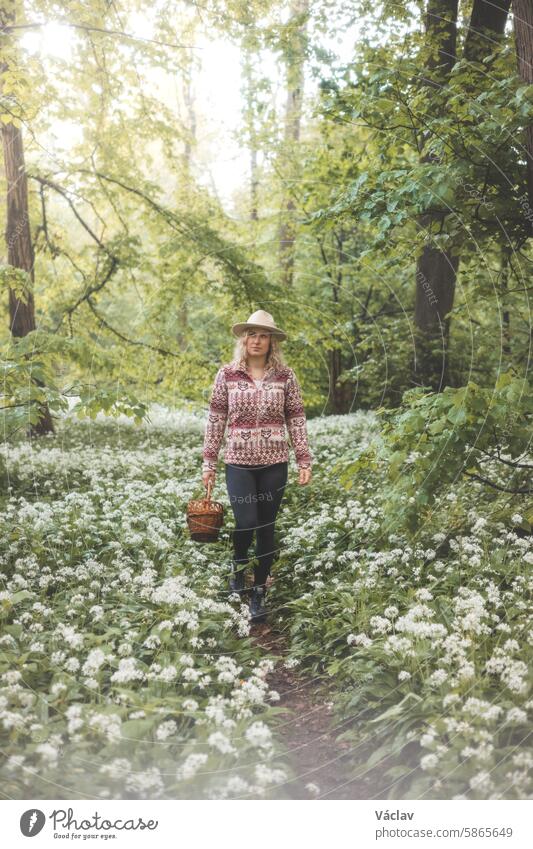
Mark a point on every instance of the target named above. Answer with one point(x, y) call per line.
point(304, 476)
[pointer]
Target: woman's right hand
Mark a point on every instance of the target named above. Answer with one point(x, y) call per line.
point(208, 476)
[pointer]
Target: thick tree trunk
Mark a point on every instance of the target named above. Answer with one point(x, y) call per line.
point(436, 272)
point(487, 24)
point(20, 247)
point(18, 233)
point(340, 396)
point(295, 64)
point(436, 269)
point(523, 31)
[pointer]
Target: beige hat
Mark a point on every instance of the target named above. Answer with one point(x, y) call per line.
point(262, 320)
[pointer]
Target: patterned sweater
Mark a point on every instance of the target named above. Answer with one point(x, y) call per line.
point(256, 419)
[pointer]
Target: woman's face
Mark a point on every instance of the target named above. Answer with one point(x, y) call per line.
point(257, 342)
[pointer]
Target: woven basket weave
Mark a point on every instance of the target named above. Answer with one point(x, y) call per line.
point(205, 517)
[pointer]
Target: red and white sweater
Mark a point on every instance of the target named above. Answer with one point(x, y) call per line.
point(256, 419)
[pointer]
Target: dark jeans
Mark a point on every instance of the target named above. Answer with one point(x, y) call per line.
point(255, 494)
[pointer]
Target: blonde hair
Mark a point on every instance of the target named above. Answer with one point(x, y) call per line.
point(274, 358)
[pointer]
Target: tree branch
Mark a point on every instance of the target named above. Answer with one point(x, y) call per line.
point(497, 486)
point(106, 324)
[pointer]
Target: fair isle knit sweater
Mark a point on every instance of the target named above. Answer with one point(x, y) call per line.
point(256, 419)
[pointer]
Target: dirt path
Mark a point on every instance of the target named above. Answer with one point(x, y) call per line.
point(311, 748)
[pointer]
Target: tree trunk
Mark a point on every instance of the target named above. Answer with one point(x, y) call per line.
point(523, 31)
point(506, 316)
point(190, 113)
point(295, 64)
point(250, 122)
point(436, 272)
point(340, 396)
point(18, 238)
point(436, 269)
point(487, 23)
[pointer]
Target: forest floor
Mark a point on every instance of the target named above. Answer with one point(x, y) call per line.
point(312, 750)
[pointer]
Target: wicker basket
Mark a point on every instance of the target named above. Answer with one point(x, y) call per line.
point(205, 517)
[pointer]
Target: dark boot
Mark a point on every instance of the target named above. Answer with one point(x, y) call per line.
point(236, 581)
point(257, 604)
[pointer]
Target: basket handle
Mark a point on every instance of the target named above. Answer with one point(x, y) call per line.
point(209, 487)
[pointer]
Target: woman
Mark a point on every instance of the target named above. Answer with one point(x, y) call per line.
point(257, 394)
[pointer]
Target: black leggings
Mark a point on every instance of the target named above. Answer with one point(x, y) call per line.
point(255, 494)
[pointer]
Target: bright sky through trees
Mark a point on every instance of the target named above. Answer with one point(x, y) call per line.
point(220, 160)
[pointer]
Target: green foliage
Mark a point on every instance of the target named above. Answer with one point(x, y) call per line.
point(434, 439)
point(423, 637)
point(18, 280)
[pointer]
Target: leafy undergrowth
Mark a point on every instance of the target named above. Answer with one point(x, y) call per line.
point(127, 673)
point(426, 635)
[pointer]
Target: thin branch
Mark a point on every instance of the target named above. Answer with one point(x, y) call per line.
point(497, 486)
point(106, 324)
point(87, 28)
point(60, 190)
point(500, 459)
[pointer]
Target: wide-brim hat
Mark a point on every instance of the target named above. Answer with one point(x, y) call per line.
point(259, 320)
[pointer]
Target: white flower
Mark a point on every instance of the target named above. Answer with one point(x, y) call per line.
point(312, 789)
point(219, 741)
point(118, 768)
point(483, 709)
point(429, 761)
point(438, 677)
point(107, 724)
point(166, 729)
point(515, 714)
point(379, 624)
point(95, 659)
point(191, 765)
point(127, 671)
point(48, 752)
point(168, 674)
point(259, 734)
point(237, 786)
point(147, 783)
point(481, 781)
point(359, 640)
point(265, 776)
